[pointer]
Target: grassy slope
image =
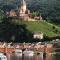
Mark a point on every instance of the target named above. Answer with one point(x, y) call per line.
point(44, 27)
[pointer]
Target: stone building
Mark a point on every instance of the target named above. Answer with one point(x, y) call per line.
point(12, 13)
point(38, 35)
point(22, 12)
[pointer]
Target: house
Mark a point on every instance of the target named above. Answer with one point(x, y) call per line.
point(38, 18)
point(38, 35)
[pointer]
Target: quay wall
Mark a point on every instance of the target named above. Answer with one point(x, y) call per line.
point(40, 48)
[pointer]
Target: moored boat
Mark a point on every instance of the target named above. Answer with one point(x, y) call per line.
point(41, 54)
point(3, 57)
point(28, 53)
point(18, 52)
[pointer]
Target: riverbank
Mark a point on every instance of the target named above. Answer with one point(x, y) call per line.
point(37, 47)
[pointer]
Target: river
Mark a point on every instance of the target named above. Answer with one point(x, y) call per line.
point(35, 57)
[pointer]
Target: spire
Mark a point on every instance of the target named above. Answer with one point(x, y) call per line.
point(23, 2)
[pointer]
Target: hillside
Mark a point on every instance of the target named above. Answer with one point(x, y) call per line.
point(45, 27)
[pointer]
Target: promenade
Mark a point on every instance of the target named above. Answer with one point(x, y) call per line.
point(10, 48)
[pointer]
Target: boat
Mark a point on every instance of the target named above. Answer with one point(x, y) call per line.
point(18, 52)
point(41, 54)
point(28, 53)
point(3, 57)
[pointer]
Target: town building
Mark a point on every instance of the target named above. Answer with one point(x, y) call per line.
point(38, 35)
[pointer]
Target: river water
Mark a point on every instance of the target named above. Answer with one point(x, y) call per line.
point(35, 57)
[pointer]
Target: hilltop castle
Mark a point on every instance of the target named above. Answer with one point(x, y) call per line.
point(22, 12)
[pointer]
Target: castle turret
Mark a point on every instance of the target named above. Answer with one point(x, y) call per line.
point(23, 7)
point(23, 11)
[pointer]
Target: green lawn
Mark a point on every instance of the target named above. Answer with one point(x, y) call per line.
point(35, 26)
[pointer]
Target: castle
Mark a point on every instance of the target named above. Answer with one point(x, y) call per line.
point(22, 12)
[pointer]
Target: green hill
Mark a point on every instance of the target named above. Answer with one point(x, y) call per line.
point(40, 26)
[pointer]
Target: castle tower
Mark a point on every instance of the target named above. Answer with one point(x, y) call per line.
point(23, 7)
point(23, 11)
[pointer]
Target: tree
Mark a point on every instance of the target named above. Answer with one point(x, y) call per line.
point(1, 15)
point(34, 14)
